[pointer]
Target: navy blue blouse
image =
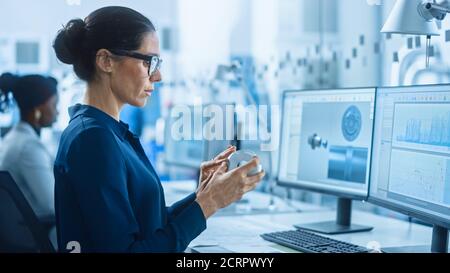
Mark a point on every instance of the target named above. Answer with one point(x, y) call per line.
point(108, 197)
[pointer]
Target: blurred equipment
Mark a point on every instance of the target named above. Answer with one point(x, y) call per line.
point(415, 17)
point(25, 53)
point(188, 153)
point(228, 72)
point(405, 18)
point(234, 72)
point(434, 10)
point(199, 145)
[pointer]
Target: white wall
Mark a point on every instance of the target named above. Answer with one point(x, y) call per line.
point(205, 28)
point(42, 19)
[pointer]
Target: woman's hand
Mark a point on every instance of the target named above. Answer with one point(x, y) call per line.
point(225, 187)
point(208, 168)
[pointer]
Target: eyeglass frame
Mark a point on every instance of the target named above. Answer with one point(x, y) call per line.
point(139, 56)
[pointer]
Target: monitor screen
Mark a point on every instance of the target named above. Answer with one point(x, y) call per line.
point(219, 128)
point(411, 159)
point(210, 131)
point(325, 141)
point(190, 150)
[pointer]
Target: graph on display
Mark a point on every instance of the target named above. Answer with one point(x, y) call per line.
point(422, 124)
point(420, 176)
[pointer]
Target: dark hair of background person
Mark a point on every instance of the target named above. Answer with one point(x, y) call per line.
point(29, 91)
point(113, 28)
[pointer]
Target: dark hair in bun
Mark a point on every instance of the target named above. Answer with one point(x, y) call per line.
point(68, 41)
point(106, 28)
point(8, 82)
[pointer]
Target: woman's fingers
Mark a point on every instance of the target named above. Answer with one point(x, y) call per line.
point(223, 168)
point(206, 181)
point(212, 163)
point(250, 187)
point(245, 169)
point(225, 154)
point(255, 178)
point(220, 170)
point(208, 178)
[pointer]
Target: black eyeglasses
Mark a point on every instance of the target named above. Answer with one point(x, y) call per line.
point(153, 62)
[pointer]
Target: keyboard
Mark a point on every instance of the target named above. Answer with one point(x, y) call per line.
point(306, 241)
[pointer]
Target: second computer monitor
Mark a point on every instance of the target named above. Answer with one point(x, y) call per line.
point(411, 158)
point(326, 145)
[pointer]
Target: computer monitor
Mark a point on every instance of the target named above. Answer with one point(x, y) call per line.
point(325, 147)
point(220, 129)
point(187, 152)
point(211, 132)
point(410, 170)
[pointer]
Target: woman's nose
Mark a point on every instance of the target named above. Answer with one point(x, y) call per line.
point(156, 77)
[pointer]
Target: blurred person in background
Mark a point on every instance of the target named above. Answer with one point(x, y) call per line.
point(22, 153)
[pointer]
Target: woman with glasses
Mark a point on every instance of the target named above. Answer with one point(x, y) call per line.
point(108, 197)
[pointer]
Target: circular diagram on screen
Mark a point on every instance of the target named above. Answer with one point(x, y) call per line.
point(351, 123)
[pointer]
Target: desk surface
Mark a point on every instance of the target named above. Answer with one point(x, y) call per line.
point(241, 232)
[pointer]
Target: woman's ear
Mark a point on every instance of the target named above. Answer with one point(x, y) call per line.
point(104, 61)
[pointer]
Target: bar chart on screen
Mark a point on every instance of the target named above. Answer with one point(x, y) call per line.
point(423, 128)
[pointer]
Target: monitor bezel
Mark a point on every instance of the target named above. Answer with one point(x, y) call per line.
point(302, 184)
point(411, 212)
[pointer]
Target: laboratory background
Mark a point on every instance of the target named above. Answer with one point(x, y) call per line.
point(329, 56)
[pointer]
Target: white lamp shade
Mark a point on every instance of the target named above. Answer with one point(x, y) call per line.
point(405, 19)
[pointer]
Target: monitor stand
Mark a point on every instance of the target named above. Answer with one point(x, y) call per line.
point(341, 225)
point(439, 244)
